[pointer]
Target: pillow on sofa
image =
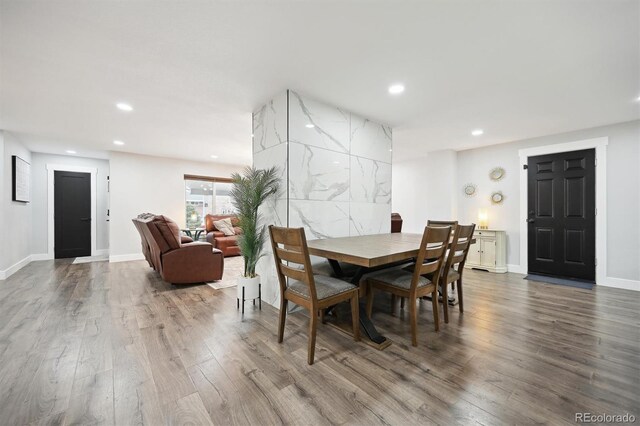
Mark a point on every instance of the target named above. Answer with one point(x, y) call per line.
point(225, 226)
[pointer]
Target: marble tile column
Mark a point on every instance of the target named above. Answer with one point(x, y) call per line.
point(335, 170)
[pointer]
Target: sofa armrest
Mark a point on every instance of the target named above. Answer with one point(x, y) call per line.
point(193, 263)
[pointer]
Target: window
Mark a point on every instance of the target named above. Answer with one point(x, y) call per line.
point(206, 195)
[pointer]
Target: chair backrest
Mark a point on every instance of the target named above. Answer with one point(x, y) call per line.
point(459, 247)
point(452, 223)
point(290, 245)
point(432, 253)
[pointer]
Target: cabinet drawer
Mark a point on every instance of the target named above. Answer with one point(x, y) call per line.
point(485, 233)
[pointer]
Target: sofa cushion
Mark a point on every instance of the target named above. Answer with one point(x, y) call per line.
point(225, 226)
point(169, 230)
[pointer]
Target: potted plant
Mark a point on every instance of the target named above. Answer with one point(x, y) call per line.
point(250, 190)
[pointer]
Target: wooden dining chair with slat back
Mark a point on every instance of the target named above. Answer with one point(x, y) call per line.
point(454, 266)
point(413, 284)
point(313, 292)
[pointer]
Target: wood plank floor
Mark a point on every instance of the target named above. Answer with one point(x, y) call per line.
point(100, 343)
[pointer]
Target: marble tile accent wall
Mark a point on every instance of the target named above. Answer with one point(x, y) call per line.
point(336, 172)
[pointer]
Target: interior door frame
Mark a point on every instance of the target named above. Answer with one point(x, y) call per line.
point(600, 145)
point(51, 168)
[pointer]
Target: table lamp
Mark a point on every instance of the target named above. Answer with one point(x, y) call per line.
point(483, 219)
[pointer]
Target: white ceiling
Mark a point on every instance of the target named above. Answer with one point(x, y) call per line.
point(194, 71)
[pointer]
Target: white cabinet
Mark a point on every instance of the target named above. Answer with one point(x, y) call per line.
point(489, 253)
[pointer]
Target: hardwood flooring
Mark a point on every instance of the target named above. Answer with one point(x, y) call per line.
point(100, 343)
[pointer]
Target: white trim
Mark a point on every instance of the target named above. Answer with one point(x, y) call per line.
point(14, 268)
point(621, 283)
point(101, 252)
point(41, 256)
point(50, 204)
point(600, 144)
point(516, 269)
point(125, 257)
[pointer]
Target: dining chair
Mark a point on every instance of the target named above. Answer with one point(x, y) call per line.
point(413, 284)
point(454, 266)
point(453, 224)
point(313, 292)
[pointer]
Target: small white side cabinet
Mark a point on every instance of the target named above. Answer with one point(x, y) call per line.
point(489, 253)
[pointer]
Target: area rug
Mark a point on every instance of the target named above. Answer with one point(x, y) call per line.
point(233, 268)
point(560, 281)
point(89, 259)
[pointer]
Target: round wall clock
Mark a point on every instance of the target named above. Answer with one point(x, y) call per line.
point(469, 190)
point(497, 197)
point(496, 173)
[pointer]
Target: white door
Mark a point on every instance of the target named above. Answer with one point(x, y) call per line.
point(473, 258)
point(488, 249)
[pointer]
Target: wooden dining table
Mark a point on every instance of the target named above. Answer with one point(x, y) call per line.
point(368, 253)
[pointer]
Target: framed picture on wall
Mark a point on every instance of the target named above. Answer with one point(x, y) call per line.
point(21, 173)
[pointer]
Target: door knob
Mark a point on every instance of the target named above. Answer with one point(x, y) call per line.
point(85, 219)
point(530, 220)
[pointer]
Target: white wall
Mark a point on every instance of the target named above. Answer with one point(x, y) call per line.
point(16, 217)
point(39, 197)
point(423, 178)
point(424, 188)
point(149, 184)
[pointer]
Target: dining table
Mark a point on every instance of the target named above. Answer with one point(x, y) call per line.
point(367, 253)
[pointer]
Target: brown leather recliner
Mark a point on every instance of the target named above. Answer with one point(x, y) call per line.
point(178, 262)
point(146, 251)
point(228, 244)
point(396, 222)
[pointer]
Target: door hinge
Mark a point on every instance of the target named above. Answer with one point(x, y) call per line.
point(525, 167)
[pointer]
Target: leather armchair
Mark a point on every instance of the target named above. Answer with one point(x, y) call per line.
point(227, 244)
point(177, 261)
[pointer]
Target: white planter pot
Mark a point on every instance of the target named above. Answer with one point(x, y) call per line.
point(251, 287)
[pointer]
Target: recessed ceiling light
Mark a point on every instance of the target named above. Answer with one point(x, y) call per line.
point(70, 151)
point(390, 150)
point(309, 126)
point(214, 156)
point(396, 89)
point(118, 143)
point(124, 107)
point(477, 132)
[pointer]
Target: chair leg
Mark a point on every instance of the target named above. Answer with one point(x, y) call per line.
point(313, 321)
point(413, 314)
point(445, 302)
point(355, 317)
point(459, 285)
point(283, 314)
point(402, 303)
point(393, 304)
point(434, 303)
point(321, 315)
point(370, 301)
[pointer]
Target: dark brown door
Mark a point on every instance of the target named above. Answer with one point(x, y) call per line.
point(562, 214)
point(72, 212)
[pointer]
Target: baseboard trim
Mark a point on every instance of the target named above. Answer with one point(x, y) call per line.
point(620, 283)
point(14, 268)
point(41, 256)
point(516, 269)
point(101, 252)
point(125, 257)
